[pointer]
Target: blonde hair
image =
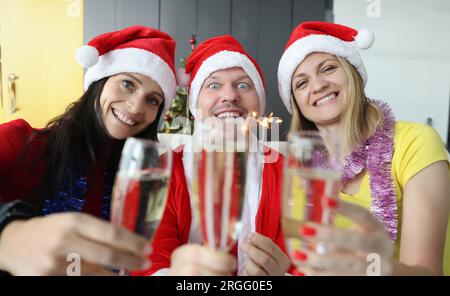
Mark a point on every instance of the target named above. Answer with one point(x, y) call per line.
point(360, 118)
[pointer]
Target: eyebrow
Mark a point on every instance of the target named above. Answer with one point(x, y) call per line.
point(242, 77)
point(140, 82)
point(133, 77)
point(320, 65)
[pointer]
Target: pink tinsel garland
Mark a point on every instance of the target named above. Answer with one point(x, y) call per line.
point(375, 155)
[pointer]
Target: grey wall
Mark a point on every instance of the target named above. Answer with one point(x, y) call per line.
point(412, 76)
point(262, 27)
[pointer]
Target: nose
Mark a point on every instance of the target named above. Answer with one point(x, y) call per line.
point(135, 104)
point(318, 84)
point(229, 94)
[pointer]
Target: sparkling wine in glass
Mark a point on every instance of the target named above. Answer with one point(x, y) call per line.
point(312, 175)
point(140, 188)
point(219, 181)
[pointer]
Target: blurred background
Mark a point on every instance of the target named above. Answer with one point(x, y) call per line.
point(408, 66)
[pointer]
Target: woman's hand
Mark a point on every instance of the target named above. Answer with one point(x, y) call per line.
point(194, 259)
point(264, 257)
point(41, 246)
point(359, 251)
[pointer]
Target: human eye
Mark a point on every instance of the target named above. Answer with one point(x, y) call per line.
point(243, 85)
point(213, 85)
point(127, 84)
point(153, 101)
point(300, 84)
point(328, 68)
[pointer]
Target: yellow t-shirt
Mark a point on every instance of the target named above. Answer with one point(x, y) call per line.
point(416, 146)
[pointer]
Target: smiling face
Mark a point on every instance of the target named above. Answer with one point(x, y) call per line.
point(228, 93)
point(319, 86)
point(129, 104)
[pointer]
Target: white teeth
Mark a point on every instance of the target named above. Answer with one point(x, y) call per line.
point(325, 100)
point(123, 118)
point(228, 114)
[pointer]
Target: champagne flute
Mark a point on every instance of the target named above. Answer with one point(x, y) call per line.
point(312, 175)
point(140, 188)
point(219, 180)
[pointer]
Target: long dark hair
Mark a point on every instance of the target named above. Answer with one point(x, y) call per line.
point(76, 138)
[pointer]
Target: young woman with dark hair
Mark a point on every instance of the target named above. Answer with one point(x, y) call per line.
point(70, 165)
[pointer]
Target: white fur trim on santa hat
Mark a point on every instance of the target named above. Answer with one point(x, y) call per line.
point(223, 60)
point(297, 52)
point(134, 60)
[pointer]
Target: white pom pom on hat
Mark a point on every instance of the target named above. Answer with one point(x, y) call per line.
point(87, 56)
point(364, 39)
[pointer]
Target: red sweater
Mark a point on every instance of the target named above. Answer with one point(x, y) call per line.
point(176, 222)
point(21, 173)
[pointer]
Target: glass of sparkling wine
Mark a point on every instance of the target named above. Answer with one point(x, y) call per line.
point(219, 181)
point(140, 187)
point(312, 175)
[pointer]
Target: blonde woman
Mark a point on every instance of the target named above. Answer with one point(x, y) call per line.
point(388, 168)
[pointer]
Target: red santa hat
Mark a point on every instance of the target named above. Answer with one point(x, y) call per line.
point(219, 53)
point(324, 37)
point(135, 49)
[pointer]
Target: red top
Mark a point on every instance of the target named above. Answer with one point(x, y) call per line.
point(21, 172)
point(175, 225)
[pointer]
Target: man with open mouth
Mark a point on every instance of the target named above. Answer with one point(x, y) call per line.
point(226, 82)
